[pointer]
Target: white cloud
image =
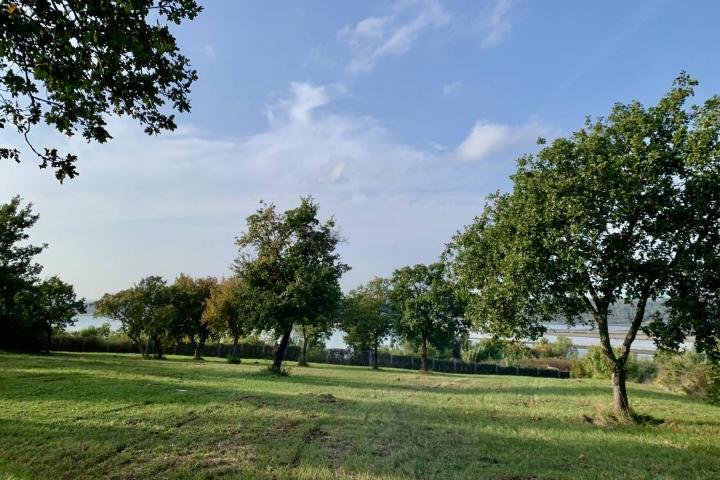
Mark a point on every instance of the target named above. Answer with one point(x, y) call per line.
point(373, 38)
point(164, 204)
point(487, 139)
point(449, 88)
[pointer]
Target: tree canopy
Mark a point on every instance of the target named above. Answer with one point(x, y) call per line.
point(429, 307)
point(369, 316)
point(290, 264)
point(229, 311)
point(72, 64)
point(189, 299)
point(29, 308)
point(624, 210)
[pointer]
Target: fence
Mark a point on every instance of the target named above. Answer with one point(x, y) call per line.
point(335, 356)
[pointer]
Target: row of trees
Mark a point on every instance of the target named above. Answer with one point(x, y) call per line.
point(154, 314)
point(287, 280)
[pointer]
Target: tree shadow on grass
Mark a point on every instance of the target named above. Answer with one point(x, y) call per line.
point(274, 435)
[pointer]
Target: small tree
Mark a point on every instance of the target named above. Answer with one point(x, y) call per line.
point(430, 312)
point(368, 316)
point(290, 264)
point(50, 305)
point(189, 297)
point(125, 307)
point(625, 210)
point(146, 312)
point(312, 334)
point(230, 311)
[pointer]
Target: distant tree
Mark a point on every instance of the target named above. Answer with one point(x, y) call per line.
point(313, 334)
point(146, 312)
point(290, 264)
point(430, 311)
point(230, 311)
point(18, 272)
point(189, 297)
point(368, 316)
point(101, 331)
point(125, 306)
point(625, 210)
point(159, 313)
point(50, 305)
point(71, 64)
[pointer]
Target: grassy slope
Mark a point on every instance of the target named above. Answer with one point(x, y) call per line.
point(104, 416)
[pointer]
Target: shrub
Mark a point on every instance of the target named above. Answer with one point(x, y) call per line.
point(686, 372)
point(594, 365)
point(713, 392)
point(561, 348)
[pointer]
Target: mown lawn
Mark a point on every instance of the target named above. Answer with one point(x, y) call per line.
point(80, 416)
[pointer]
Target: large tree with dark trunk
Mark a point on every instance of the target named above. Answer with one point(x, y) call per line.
point(429, 308)
point(626, 209)
point(72, 64)
point(289, 261)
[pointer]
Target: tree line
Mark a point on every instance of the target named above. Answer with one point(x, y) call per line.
point(286, 280)
point(624, 211)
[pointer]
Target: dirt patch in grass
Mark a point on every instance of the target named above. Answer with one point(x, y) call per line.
point(325, 398)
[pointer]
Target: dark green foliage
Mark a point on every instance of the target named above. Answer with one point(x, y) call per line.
point(189, 299)
point(47, 306)
point(369, 317)
point(429, 310)
point(146, 312)
point(625, 210)
point(73, 63)
point(289, 264)
point(30, 309)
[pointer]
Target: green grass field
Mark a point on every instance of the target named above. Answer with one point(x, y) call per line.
point(80, 416)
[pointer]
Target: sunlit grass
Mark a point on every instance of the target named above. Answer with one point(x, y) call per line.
point(117, 416)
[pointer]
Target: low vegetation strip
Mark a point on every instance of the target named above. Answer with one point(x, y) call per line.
point(333, 356)
point(115, 416)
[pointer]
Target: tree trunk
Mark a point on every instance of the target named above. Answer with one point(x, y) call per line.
point(302, 362)
point(49, 338)
point(234, 348)
point(423, 359)
point(280, 352)
point(196, 347)
point(159, 349)
point(201, 343)
point(620, 397)
point(375, 355)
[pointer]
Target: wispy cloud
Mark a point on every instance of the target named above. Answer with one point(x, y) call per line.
point(394, 34)
point(487, 139)
point(495, 23)
point(449, 88)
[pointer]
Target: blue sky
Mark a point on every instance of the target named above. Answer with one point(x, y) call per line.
point(398, 117)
